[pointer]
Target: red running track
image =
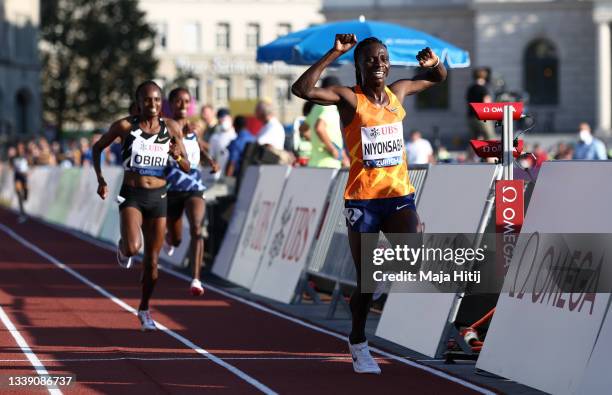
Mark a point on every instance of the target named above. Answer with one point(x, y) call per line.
point(75, 328)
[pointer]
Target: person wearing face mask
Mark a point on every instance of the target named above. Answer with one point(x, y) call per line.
point(589, 147)
point(221, 138)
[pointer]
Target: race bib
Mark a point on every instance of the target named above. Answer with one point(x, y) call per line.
point(148, 155)
point(383, 145)
point(193, 152)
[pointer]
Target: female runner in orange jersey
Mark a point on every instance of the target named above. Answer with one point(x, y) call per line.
point(378, 194)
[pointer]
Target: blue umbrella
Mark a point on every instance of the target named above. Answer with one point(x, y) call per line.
point(306, 46)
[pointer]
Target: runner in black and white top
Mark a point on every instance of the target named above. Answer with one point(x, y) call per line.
point(186, 190)
point(19, 163)
point(147, 141)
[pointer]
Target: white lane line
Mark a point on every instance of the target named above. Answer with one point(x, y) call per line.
point(163, 359)
point(27, 351)
point(298, 321)
point(129, 308)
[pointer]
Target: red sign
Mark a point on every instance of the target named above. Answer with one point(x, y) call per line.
point(495, 111)
point(509, 216)
point(494, 148)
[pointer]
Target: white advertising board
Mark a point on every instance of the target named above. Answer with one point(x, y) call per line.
point(546, 338)
point(258, 224)
point(223, 260)
point(452, 201)
point(298, 217)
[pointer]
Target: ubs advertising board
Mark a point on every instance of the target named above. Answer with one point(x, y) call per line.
point(293, 233)
point(258, 225)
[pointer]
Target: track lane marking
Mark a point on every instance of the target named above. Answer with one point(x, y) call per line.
point(27, 350)
point(387, 355)
point(260, 386)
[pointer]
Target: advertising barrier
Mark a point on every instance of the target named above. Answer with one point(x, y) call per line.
point(99, 208)
point(545, 337)
point(299, 214)
point(7, 186)
point(414, 317)
point(258, 225)
point(38, 193)
point(223, 260)
point(62, 203)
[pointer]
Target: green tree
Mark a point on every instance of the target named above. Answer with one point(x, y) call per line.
point(94, 54)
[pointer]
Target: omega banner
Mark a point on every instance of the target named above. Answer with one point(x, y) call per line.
point(550, 329)
point(509, 214)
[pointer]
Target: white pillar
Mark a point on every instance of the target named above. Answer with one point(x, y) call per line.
point(604, 79)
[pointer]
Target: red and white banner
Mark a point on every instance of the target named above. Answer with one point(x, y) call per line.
point(547, 339)
point(494, 148)
point(495, 111)
point(509, 216)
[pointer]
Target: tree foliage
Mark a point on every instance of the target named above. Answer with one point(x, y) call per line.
point(94, 54)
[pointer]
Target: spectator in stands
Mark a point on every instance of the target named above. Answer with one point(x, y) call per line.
point(87, 155)
point(326, 134)
point(272, 133)
point(540, 155)
point(479, 93)
point(237, 146)
point(221, 138)
point(299, 125)
point(46, 156)
point(589, 147)
point(563, 151)
point(418, 149)
point(209, 122)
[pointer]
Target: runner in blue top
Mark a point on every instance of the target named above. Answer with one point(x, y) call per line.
point(147, 140)
point(186, 190)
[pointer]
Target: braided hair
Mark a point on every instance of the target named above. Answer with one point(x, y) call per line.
point(359, 49)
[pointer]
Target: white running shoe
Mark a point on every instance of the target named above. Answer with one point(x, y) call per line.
point(362, 359)
point(123, 261)
point(196, 288)
point(147, 323)
point(168, 249)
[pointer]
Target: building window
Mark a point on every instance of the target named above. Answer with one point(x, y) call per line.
point(193, 85)
point(161, 35)
point(223, 36)
point(252, 87)
point(252, 38)
point(541, 71)
point(283, 89)
point(436, 97)
point(222, 90)
point(283, 29)
point(191, 37)
point(22, 101)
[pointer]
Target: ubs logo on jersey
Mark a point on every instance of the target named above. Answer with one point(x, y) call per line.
point(374, 132)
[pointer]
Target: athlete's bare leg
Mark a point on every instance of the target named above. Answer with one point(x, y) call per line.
point(153, 230)
point(174, 228)
point(195, 208)
point(360, 301)
point(401, 222)
point(131, 221)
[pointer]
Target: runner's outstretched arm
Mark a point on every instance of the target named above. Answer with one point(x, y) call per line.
point(117, 129)
point(434, 72)
point(305, 87)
